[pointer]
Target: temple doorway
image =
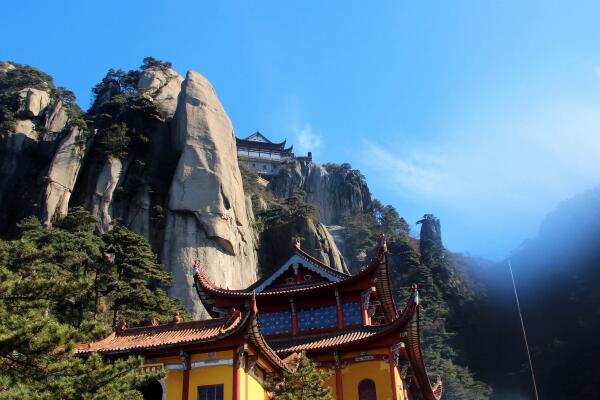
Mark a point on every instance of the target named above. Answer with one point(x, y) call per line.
point(152, 390)
point(366, 390)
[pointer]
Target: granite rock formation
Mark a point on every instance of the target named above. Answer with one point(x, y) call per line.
point(334, 190)
point(183, 191)
point(207, 217)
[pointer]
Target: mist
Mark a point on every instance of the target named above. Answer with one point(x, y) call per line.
point(491, 181)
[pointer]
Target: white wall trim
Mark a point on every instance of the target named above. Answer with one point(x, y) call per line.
point(210, 363)
point(164, 388)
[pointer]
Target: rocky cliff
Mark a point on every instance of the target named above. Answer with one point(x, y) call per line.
point(207, 217)
point(334, 189)
point(155, 152)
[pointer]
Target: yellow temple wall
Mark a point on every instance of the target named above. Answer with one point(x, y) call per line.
point(255, 389)
point(376, 370)
point(174, 384)
point(210, 375)
point(215, 375)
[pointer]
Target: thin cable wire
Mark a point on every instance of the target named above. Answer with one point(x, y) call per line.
point(523, 329)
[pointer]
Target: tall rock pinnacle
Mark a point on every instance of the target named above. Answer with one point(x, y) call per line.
point(430, 229)
point(207, 216)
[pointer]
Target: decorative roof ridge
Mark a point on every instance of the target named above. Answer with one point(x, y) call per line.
point(92, 345)
point(268, 141)
point(415, 354)
point(239, 323)
point(301, 253)
point(258, 339)
point(174, 326)
point(204, 283)
point(382, 281)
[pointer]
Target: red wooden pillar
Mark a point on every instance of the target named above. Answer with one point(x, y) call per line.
point(185, 358)
point(393, 375)
point(339, 389)
point(236, 374)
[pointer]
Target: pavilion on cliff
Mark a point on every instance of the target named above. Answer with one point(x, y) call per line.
point(346, 323)
point(262, 156)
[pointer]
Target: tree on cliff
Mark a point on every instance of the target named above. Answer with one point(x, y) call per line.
point(306, 382)
point(137, 278)
point(44, 285)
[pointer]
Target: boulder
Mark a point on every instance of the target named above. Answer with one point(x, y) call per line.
point(163, 86)
point(32, 101)
point(57, 118)
point(108, 179)
point(62, 174)
point(26, 127)
point(207, 216)
point(4, 66)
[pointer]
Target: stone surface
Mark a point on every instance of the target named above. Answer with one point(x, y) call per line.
point(57, 118)
point(334, 192)
point(108, 179)
point(62, 175)
point(207, 217)
point(32, 101)
point(26, 127)
point(276, 244)
point(431, 229)
point(163, 86)
point(4, 66)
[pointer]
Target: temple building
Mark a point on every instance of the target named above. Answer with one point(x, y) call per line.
point(346, 323)
point(261, 155)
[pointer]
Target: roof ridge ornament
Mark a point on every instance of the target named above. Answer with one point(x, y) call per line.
point(122, 326)
point(297, 244)
point(197, 266)
point(414, 296)
point(382, 243)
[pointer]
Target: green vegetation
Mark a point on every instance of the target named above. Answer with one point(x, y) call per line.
point(63, 285)
point(307, 382)
point(24, 76)
point(444, 290)
point(293, 208)
point(361, 230)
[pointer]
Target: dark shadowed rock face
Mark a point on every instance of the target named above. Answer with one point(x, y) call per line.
point(276, 244)
point(334, 190)
point(430, 229)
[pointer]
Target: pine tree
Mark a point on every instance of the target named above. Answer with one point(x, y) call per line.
point(137, 280)
point(36, 350)
point(306, 382)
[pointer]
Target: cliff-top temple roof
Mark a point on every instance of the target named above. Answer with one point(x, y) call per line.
point(258, 141)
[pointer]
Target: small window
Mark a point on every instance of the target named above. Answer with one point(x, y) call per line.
point(366, 390)
point(254, 164)
point(307, 277)
point(214, 392)
point(289, 280)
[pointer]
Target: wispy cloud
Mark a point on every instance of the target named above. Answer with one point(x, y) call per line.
point(306, 139)
point(497, 172)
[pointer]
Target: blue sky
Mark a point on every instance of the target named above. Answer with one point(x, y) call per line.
point(484, 113)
